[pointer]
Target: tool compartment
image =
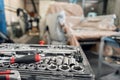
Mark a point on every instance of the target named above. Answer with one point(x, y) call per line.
point(58, 62)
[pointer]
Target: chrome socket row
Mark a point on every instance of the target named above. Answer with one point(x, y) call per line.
point(58, 63)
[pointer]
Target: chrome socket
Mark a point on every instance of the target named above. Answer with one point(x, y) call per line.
point(77, 68)
point(41, 66)
point(65, 61)
point(64, 68)
point(31, 66)
point(59, 60)
point(52, 67)
point(15, 65)
point(72, 61)
point(22, 66)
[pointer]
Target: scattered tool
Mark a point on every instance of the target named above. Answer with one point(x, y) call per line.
point(77, 68)
point(72, 61)
point(10, 75)
point(26, 59)
point(52, 67)
point(31, 66)
point(5, 72)
point(64, 68)
point(41, 66)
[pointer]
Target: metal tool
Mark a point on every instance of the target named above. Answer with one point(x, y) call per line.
point(10, 75)
point(59, 60)
point(65, 61)
point(6, 64)
point(72, 61)
point(52, 60)
point(47, 59)
point(15, 65)
point(7, 54)
point(2, 72)
point(77, 68)
point(31, 66)
point(41, 66)
point(52, 67)
point(1, 64)
point(64, 68)
point(26, 59)
point(22, 66)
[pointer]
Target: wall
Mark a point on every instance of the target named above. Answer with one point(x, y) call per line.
point(43, 7)
point(90, 4)
point(44, 4)
point(10, 9)
point(100, 8)
point(117, 10)
point(29, 6)
point(2, 18)
point(114, 8)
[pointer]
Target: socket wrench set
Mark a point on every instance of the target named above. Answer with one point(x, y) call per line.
point(46, 62)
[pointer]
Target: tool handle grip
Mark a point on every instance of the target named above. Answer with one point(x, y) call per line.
point(5, 72)
point(5, 77)
point(26, 59)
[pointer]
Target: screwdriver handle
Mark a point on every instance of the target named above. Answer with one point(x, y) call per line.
point(26, 59)
point(5, 72)
point(10, 75)
point(5, 77)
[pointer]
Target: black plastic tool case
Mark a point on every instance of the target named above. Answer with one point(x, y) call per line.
point(45, 74)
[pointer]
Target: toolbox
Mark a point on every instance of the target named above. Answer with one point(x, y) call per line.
point(46, 62)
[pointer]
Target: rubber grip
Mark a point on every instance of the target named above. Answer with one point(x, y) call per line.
point(26, 59)
point(5, 77)
point(5, 72)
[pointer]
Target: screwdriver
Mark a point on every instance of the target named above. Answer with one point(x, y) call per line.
point(26, 59)
point(9, 75)
point(5, 72)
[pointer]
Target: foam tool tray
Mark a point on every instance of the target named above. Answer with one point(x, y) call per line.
point(54, 62)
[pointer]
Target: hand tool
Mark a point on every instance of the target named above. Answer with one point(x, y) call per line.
point(15, 65)
point(72, 61)
point(64, 68)
point(77, 68)
point(22, 66)
point(7, 54)
point(26, 59)
point(59, 60)
point(47, 59)
point(10, 75)
point(52, 67)
point(41, 66)
point(31, 66)
point(5, 72)
point(65, 61)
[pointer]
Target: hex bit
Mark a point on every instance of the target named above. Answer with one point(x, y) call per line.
point(65, 61)
point(59, 60)
point(46, 61)
point(72, 61)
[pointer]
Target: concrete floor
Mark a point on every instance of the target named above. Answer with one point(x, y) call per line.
point(27, 39)
point(93, 59)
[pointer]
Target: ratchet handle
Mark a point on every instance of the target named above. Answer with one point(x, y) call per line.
point(26, 59)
